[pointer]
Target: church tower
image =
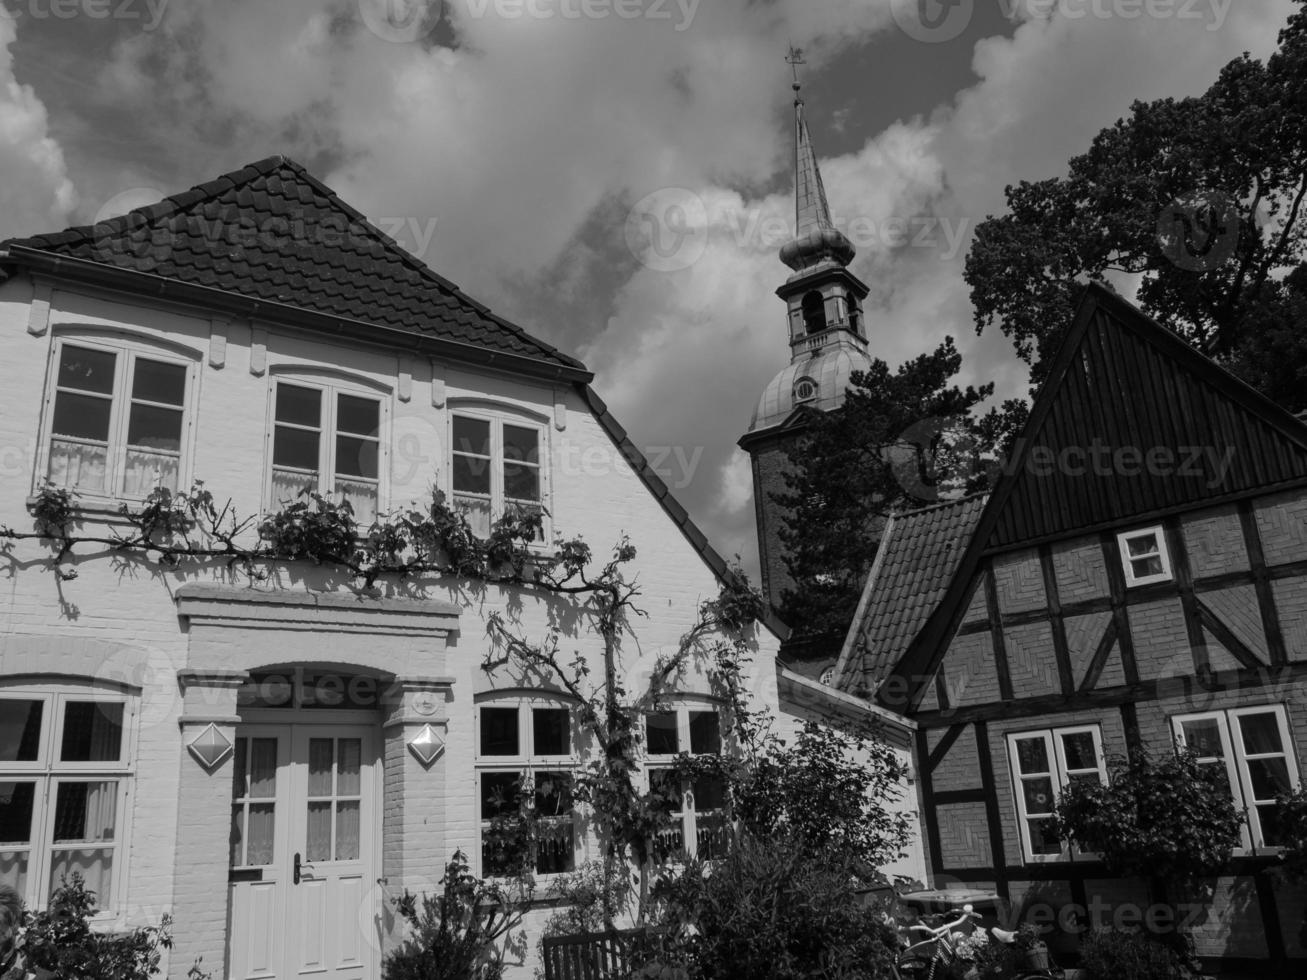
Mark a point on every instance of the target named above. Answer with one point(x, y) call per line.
point(828, 342)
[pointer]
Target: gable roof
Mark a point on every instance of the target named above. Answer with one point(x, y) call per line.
point(918, 556)
point(273, 232)
point(1124, 379)
point(1134, 421)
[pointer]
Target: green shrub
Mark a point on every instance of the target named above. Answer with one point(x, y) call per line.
point(58, 942)
point(770, 911)
point(1113, 954)
point(459, 934)
point(1291, 832)
point(1172, 819)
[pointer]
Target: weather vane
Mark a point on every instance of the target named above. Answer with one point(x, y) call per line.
point(794, 59)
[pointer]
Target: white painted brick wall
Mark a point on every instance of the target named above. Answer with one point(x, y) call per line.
point(121, 623)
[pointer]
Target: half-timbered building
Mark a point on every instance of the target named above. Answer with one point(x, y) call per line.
point(1137, 578)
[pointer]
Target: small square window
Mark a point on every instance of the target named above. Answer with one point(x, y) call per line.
point(1145, 557)
point(499, 732)
point(552, 731)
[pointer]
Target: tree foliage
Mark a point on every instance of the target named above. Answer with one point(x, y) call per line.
point(902, 438)
point(1198, 201)
point(1172, 819)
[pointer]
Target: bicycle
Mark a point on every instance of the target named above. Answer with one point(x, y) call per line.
point(943, 941)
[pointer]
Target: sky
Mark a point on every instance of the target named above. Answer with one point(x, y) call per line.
point(615, 175)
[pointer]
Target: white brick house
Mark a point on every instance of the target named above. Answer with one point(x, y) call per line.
point(257, 334)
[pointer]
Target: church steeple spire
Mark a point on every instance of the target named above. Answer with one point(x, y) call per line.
point(816, 240)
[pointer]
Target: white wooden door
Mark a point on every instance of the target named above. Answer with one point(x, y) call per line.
point(304, 855)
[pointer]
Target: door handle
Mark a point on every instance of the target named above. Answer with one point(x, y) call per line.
point(297, 867)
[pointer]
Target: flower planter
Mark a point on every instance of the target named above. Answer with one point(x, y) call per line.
point(1037, 957)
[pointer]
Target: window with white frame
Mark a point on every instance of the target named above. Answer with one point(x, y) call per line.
point(496, 466)
point(1044, 765)
point(526, 760)
point(117, 420)
point(327, 439)
point(699, 804)
point(1253, 747)
point(64, 781)
point(1144, 556)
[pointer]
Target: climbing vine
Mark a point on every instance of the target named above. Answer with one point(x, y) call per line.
point(191, 529)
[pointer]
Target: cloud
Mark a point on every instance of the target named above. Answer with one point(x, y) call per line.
point(35, 192)
point(528, 140)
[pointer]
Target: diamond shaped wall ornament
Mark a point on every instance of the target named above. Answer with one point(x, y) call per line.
point(210, 747)
point(427, 745)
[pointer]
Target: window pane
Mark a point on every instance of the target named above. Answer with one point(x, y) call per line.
point(237, 836)
point(1271, 818)
point(1079, 751)
point(1041, 840)
point(85, 812)
point(477, 512)
point(1038, 794)
point(1261, 733)
point(318, 837)
point(94, 864)
point(302, 406)
point(263, 768)
point(13, 869)
point(347, 831)
point(261, 831)
point(661, 734)
point(155, 428)
point(81, 416)
point(1032, 755)
point(321, 754)
point(471, 475)
point(555, 848)
point(499, 732)
point(665, 782)
point(238, 760)
point(471, 436)
point(20, 729)
point(705, 733)
point(709, 794)
point(521, 482)
point(75, 465)
point(295, 447)
point(16, 801)
point(553, 793)
point(287, 485)
point(1269, 777)
point(1144, 567)
point(86, 369)
point(93, 731)
point(1203, 738)
point(357, 457)
point(358, 416)
point(551, 729)
point(347, 775)
point(1145, 544)
point(500, 792)
point(521, 445)
point(159, 382)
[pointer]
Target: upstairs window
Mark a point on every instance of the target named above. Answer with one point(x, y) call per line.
point(497, 469)
point(117, 420)
point(1144, 555)
point(805, 390)
point(64, 780)
point(699, 805)
point(327, 440)
point(1044, 765)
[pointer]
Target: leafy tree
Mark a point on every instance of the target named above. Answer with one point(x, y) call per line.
point(1199, 200)
point(901, 440)
point(1172, 819)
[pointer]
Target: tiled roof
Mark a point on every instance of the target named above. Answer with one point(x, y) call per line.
point(273, 232)
point(918, 556)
